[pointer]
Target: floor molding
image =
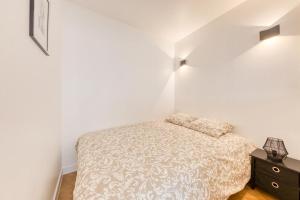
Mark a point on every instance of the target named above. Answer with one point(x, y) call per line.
point(58, 185)
point(69, 169)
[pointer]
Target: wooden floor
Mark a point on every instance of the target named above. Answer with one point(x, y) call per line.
point(68, 183)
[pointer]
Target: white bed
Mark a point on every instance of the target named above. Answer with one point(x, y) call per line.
point(160, 160)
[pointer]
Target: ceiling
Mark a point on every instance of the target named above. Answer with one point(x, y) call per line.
point(169, 19)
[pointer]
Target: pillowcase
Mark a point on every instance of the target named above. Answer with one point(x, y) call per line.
point(181, 119)
point(210, 127)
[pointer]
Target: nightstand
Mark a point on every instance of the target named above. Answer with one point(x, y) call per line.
point(282, 180)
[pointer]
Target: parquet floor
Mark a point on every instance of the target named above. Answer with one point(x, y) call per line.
point(68, 184)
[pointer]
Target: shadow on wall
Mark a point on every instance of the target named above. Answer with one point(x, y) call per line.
point(227, 37)
point(236, 38)
point(288, 21)
point(124, 77)
point(233, 76)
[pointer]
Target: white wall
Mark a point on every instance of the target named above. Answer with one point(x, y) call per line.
point(232, 76)
point(29, 106)
point(113, 75)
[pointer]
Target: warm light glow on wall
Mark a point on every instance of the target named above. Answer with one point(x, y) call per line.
point(271, 41)
point(183, 69)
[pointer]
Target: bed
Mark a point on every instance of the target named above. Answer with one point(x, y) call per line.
point(160, 160)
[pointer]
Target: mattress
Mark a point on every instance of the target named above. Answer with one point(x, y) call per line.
point(160, 160)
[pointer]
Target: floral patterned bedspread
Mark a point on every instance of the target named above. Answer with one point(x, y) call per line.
point(159, 160)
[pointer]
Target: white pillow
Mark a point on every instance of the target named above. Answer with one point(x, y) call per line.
point(210, 127)
point(181, 119)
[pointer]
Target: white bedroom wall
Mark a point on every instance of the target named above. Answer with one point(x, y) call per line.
point(113, 75)
point(29, 106)
point(233, 76)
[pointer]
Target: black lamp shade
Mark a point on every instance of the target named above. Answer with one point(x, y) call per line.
point(275, 149)
point(182, 63)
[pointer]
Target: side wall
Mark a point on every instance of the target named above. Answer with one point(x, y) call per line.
point(29, 106)
point(113, 75)
point(233, 76)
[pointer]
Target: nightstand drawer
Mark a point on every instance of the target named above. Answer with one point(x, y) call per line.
point(276, 172)
point(277, 188)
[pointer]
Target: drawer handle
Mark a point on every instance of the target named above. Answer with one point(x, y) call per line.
point(275, 185)
point(276, 169)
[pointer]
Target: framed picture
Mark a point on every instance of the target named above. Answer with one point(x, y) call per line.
point(39, 23)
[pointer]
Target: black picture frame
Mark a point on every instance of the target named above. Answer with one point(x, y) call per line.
point(41, 38)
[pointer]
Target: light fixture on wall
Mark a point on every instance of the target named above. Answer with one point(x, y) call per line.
point(271, 32)
point(182, 63)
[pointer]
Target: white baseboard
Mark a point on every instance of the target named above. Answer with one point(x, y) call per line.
point(69, 169)
point(58, 184)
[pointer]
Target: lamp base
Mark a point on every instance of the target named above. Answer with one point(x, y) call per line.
point(274, 159)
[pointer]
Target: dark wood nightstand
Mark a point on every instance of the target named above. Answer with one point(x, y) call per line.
point(282, 180)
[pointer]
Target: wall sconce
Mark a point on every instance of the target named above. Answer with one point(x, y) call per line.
point(182, 63)
point(266, 34)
